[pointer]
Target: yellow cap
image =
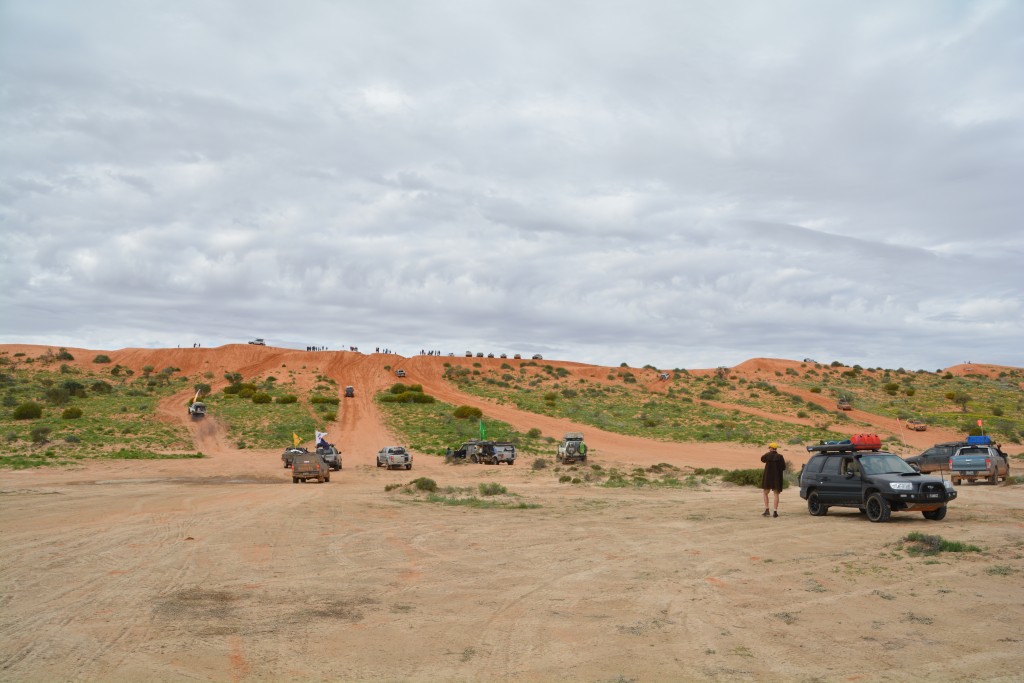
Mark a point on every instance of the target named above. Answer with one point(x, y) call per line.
point(773, 445)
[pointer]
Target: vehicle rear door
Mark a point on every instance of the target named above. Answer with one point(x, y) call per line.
point(828, 480)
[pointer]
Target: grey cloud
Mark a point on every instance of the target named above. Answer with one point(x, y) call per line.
point(692, 184)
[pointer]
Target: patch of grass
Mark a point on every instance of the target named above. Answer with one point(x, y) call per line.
point(474, 502)
point(916, 544)
point(492, 489)
point(1000, 570)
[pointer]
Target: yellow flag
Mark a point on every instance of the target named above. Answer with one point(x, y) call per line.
point(295, 439)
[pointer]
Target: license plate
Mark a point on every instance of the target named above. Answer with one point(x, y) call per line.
point(933, 495)
point(970, 472)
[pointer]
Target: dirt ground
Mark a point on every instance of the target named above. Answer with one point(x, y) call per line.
point(221, 569)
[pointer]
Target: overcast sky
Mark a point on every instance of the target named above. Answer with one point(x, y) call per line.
point(679, 183)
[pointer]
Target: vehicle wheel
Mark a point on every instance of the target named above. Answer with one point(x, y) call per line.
point(878, 508)
point(286, 465)
point(994, 479)
point(474, 459)
point(409, 466)
point(319, 480)
point(378, 463)
point(295, 480)
point(935, 515)
point(815, 506)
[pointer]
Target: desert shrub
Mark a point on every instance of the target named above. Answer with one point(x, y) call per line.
point(64, 355)
point(467, 412)
point(747, 478)
point(71, 413)
point(392, 487)
point(564, 479)
point(72, 438)
point(58, 396)
point(39, 434)
point(101, 358)
point(261, 397)
point(424, 484)
point(539, 464)
point(287, 398)
point(28, 411)
point(101, 387)
point(246, 392)
point(319, 400)
point(534, 433)
point(407, 397)
point(492, 489)
point(815, 390)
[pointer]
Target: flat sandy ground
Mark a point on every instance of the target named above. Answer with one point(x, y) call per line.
point(224, 570)
point(221, 569)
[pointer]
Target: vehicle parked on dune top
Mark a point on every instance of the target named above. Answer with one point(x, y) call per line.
point(258, 342)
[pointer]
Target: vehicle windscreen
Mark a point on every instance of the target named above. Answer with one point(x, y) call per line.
point(885, 464)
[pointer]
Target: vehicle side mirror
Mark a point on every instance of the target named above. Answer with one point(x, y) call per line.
point(849, 475)
point(917, 468)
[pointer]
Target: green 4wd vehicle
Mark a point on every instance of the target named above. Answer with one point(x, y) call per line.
point(875, 482)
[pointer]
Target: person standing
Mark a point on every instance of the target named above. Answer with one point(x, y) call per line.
point(771, 480)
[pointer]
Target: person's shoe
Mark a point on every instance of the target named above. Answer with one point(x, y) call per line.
point(765, 513)
point(775, 514)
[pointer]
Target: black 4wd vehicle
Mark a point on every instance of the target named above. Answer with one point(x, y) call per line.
point(876, 482)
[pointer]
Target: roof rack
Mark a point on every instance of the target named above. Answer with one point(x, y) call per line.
point(832, 448)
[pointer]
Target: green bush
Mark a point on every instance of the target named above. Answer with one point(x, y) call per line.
point(71, 413)
point(246, 392)
point(332, 400)
point(747, 478)
point(287, 398)
point(64, 355)
point(261, 398)
point(424, 484)
point(408, 397)
point(39, 434)
point(539, 464)
point(492, 489)
point(101, 387)
point(101, 358)
point(28, 411)
point(468, 412)
point(534, 433)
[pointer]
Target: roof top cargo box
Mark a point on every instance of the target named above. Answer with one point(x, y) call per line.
point(866, 442)
point(979, 440)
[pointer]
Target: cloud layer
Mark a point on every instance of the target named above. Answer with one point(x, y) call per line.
point(686, 184)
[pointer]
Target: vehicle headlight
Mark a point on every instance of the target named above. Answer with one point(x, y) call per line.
point(902, 485)
point(949, 485)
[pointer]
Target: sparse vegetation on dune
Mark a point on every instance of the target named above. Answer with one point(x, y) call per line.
point(86, 404)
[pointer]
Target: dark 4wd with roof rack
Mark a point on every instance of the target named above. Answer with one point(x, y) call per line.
point(876, 482)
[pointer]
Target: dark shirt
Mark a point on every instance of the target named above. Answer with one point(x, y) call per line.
point(774, 466)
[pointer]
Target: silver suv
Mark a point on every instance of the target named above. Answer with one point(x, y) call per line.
point(394, 456)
